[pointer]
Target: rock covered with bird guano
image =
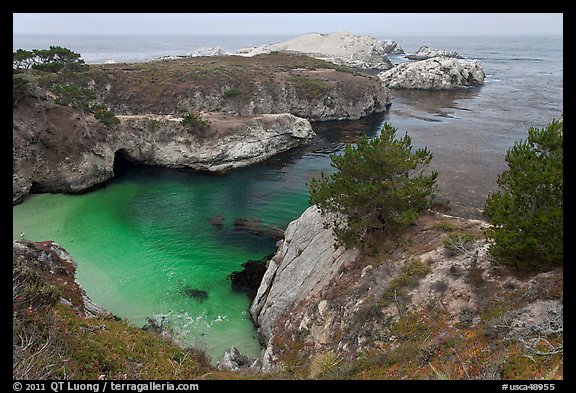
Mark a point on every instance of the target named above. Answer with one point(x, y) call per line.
point(357, 51)
point(437, 73)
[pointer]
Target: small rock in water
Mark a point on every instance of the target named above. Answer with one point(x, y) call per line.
point(232, 360)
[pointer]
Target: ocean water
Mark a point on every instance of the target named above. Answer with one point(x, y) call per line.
point(146, 237)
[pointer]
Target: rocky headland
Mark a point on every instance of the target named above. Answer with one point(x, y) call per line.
point(356, 51)
point(255, 108)
point(64, 159)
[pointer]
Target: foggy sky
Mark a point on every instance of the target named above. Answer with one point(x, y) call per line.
point(288, 23)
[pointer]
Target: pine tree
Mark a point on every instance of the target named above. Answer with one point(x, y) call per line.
point(379, 185)
point(526, 215)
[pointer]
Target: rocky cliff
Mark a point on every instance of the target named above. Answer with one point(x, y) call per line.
point(256, 107)
point(59, 333)
point(54, 154)
point(437, 73)
point(269, 83)
point(363, 52)
point(429, 304)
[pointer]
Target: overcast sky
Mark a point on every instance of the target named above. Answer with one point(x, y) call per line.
point(288, 23)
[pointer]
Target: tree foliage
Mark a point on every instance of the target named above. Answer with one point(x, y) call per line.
point(193, 121)
point(379, 185)
point(49, 60)
point(63, 73)
point(526, 214)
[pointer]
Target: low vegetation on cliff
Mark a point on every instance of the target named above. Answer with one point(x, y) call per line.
point(62, 74)
point(57, 335)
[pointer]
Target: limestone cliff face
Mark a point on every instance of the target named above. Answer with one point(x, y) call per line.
point(56, 155)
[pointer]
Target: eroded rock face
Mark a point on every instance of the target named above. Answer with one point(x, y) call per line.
point(66, 160)
point(232, 360)
point(323, 299)
point(426, 52)
point(342, 48)
point(437, 73)
point(306, 261)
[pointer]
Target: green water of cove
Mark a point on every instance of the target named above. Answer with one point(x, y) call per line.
point(148, 241)
point(160, 243)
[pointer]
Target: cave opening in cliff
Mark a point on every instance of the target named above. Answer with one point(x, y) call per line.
point(122, 162)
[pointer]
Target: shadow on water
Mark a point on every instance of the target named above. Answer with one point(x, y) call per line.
point(331, 136)
point(433, 101)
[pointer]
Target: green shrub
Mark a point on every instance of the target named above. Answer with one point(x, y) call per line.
point(104, 115)
point(231, 93)
point(193, 121)
point(380, 186)
point(526, 214)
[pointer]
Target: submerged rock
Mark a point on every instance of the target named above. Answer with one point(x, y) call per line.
point(216, 221)
point(198, 294)
point(438, 73)
point(249, 278)
point(255, 226)
point(426, 52)
point(357, 51)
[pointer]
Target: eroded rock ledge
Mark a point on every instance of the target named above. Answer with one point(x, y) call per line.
point(62, 158)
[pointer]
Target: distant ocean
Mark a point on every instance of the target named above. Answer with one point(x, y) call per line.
point(468, 130)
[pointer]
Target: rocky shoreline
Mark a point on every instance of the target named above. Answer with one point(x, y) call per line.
point(315, 298)
point(325, 299)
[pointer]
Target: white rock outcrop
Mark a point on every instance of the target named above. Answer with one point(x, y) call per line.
point(209, 51)
point(426, 52)
point(437, 73)
point(341, 48)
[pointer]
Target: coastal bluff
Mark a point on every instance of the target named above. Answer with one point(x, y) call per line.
point(255, 107)
point(326, 306)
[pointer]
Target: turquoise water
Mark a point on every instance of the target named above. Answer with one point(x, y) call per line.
point(144, 238)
